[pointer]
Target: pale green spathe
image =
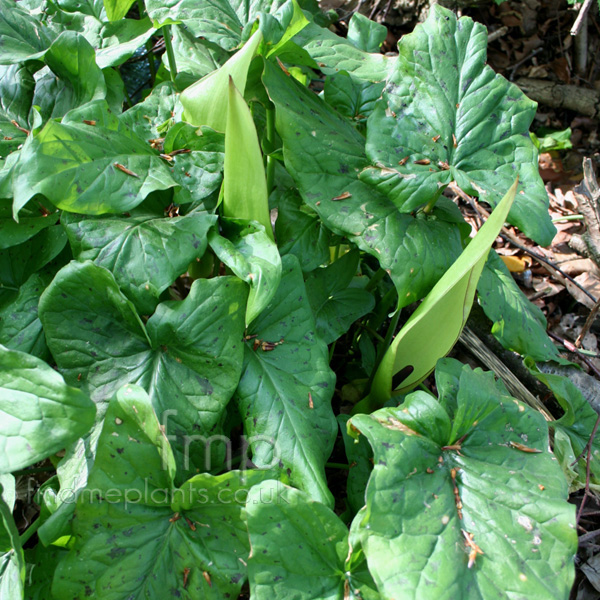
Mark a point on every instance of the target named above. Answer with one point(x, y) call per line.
point(246, 195)
point(205, 102)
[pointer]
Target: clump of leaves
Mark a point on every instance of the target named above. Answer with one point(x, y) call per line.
point(176, 358)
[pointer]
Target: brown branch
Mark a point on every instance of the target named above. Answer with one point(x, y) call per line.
point(588, 324)
point(571, 97)
point(588, 461)
point(572, 348)
point(471, 342)
point(587, 194)
point(554, 269)
point(581, 17)
point(551, 267)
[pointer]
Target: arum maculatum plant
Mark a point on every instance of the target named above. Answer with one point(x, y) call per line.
point(199, 283)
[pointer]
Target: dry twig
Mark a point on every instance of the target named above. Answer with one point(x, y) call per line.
point(581, 17)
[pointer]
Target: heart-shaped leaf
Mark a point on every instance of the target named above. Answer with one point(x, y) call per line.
point(75, 79)
point(220, 21)
point(145, 252)
point(324, 154)
point(447, 116)
point(187, 357)
point(23, 37)
point(89, 168)
point(131, 518)
point(463, 500)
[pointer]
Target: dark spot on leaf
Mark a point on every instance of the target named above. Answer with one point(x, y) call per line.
point(116, 552)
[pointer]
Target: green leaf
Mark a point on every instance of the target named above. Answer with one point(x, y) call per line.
point(146, 119)
point(42, 561)
point(120, 40)
point(246, 195)
point(75, 80)
point(219, 21)
point(117, 9)
point(206, 101)
point(93, 8)
point(75, 165)
point(443, 104)
point(281, 27)
point(20, 328)
point(440, 317)
point(198, 172)
point(300, 233)
point(510, 488)
point(195, 56)
point(18, 263)
point(365, 34)
point(40, 414)
point(24, 38)
point(30, 223)
point(253, 256)
point(145, 252)
point(8, 493)
point(12, 560)
point(187, 357)
point(547, 140)
point(299, 547)
point(284, 394)
point(16, 95)
point(133, 452)
point(126, 520)
point(335, 304)
point(7, 506)
point(324, 155)
point(352, 98)
point(333, 54)
point(360, 459)
point(573, 430)
point(519, 325)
